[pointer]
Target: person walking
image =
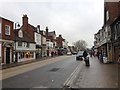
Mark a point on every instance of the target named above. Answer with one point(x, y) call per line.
point(101, 57)
point(98, 54)
point(85, 54)
point(118, 61)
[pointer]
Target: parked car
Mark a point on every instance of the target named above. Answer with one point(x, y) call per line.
point(74, 53)
point(79, 55)
point(69, 53)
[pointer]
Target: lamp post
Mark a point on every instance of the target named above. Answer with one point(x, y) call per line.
point(16, 25)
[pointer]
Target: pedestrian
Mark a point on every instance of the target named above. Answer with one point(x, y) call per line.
point(14, 58)
point(98, 54)
point(101, 57)
point(118, 61)
point(52, 54)
point(85, 54)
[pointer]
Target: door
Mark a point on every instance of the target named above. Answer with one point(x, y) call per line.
point(7, 55)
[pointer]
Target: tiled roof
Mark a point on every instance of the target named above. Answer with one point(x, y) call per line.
point(51, 33)
point(26, 37)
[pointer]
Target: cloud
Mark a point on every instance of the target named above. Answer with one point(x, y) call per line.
point(74, 19)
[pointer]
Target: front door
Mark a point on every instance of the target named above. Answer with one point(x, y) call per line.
point(7, 55)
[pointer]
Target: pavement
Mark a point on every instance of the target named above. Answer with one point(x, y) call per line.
point(98, 75)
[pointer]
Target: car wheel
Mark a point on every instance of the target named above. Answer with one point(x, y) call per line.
point(77, 58)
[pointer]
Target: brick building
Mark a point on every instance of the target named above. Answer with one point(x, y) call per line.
point(51, 42)
point(6, 40)
point(24, 41)
point(115, 36)
point(104, 37)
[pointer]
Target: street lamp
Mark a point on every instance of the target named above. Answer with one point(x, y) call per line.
point(16, 25)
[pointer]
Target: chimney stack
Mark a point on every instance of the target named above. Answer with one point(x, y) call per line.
point(25, 22)
point(46, 31)
point(38, 28)
point(60, 35)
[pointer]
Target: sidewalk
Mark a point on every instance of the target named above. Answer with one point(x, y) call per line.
point(98, 75)
point(5, 66)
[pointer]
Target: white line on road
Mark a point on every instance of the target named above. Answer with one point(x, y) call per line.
point(72, 77)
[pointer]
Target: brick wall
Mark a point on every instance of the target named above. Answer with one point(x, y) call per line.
point(7, 37)
point(113, 9)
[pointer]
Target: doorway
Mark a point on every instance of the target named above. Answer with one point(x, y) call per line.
point(7, 55)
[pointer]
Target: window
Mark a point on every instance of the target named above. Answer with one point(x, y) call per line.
point(0, 28)
point(19, 43)
point(107, 15)
point(115, 32)
point(28, 44)
point(20, 34)
point(117, 29)
point(7, 30)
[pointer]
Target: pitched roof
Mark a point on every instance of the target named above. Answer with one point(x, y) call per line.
point(51, 33)
point(26, 36)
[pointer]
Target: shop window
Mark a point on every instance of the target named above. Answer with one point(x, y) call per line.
point(27, 54)
point(20, 55)
point(31, 54)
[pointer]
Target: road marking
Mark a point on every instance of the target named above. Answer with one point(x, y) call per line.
point(73, 76)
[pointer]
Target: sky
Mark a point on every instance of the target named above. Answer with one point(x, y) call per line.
point(73, 19)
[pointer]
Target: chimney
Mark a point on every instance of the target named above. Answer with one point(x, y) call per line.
point(60, 35)
point(54, 32)
point(38, 28)
point(46, 31)
point(25, 22)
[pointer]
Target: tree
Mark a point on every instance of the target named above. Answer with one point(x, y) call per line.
point(80, 45)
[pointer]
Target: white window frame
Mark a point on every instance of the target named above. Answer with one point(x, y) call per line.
point(20, 34)
point(7, 32)
point(107, 15)
point(0, 27)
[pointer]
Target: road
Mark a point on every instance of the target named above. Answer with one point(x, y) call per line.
point(49, 74)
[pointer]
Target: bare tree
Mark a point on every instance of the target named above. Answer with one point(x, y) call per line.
point(80, 45)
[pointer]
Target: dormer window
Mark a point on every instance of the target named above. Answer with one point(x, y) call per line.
point(20, 34)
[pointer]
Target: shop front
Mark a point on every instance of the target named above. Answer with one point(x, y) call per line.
point(25, 55)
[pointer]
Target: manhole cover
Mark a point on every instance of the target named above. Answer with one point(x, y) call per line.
point(54, 69)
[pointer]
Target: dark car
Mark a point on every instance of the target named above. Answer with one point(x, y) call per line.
point(79, 55)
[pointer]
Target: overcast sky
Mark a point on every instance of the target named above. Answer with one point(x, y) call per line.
point(74, 19)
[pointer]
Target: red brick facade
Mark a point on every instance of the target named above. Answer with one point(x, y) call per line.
point(7, 41)
point(59, 41)
point(27, 27)
point(113, 11)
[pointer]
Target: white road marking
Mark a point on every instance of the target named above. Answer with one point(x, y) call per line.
point(72, 77)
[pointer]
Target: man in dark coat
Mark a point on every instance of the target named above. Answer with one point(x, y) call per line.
point(85, 54)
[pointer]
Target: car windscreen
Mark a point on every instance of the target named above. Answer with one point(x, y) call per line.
point(80, 53)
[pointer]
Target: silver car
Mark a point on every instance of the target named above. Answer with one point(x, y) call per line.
point(79, 55)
